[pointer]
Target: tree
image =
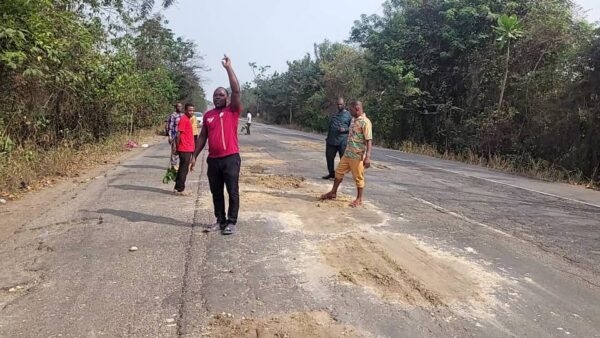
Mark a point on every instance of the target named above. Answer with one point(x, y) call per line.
point(508, 29)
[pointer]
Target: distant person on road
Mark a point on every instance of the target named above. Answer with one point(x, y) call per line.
point(172, 133)
point(337, 136)
point(185, 149)
point(357, 156)
point(248, 122)
point(219, 127)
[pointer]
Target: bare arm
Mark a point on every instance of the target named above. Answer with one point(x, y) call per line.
point(176, 141)
point(200, 143)
point(236, 98)
point(367, 160)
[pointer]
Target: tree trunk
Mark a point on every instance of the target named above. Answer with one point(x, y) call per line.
point(503, 86)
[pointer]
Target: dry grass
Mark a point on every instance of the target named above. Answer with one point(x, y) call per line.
point(27, 169)
point(535, 168)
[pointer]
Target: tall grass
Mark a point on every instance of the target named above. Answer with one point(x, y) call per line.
point(27, 167)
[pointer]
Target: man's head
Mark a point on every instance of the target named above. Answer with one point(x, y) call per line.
point(178, 107)
point(340, 104)
point(220, 97)
point(189, 109)
point(356, 108)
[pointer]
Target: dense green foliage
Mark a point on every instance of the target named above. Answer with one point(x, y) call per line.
point(77, 71)
point(517, 79)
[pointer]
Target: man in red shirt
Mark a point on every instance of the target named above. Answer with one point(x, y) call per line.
point(219, 127)
point(185, 148)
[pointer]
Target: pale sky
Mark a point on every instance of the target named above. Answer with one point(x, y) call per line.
point(270, 32)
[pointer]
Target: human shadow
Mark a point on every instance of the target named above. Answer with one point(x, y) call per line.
point(129, 187)
point(135, 217)
point(144, 166)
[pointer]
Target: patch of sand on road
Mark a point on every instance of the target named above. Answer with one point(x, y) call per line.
point(294, 202)
point(398, 268)
point(260, 159)
point(306, 145)
point(300, 210)
point(301, 324)
point(273, 181)
point(343, 244)
point(250, 149)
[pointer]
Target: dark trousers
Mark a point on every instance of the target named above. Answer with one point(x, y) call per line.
point(184, 166)
point(330, 151)
point(248, 128)
point(225, 171)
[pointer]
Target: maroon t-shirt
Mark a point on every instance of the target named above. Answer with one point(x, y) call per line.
point(221, 125)
point(186, 135)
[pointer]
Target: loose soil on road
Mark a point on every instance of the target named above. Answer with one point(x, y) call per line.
point(349, 246)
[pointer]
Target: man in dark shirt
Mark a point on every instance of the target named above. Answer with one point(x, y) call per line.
point(337, 136)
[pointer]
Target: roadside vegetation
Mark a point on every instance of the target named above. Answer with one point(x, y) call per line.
point(81, 77)
point(512, 85)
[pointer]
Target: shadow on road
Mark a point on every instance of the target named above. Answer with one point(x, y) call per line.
point(132, 216)
point(144, 166)
point(141, 188)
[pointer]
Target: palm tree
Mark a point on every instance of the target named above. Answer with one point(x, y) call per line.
point(508, 29)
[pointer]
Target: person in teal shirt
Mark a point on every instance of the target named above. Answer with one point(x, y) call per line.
point(337, 136)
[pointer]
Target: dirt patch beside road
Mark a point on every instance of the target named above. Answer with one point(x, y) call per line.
point(303, 324)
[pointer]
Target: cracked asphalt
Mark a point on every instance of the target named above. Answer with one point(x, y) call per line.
point(440, 249)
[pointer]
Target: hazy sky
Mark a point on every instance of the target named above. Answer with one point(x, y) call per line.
point(270, 32)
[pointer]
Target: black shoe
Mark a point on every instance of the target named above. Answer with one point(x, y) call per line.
point(328, 177)
point(228, 230)
point(213, 227)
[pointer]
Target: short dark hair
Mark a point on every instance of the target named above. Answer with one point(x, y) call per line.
point(189, 105)
point(225, 89)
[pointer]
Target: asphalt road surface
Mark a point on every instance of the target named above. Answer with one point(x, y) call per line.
point(439, 249)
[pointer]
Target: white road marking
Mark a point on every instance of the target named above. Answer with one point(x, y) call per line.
point(497, 182)
point(464, 218)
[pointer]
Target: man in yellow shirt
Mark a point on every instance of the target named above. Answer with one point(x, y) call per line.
point(357, 155)
point(195, 128)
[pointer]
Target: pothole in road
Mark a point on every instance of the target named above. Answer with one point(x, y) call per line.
point(399, 269)
point(300, 324)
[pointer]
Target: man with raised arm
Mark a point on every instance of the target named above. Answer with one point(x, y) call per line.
point(219, 128)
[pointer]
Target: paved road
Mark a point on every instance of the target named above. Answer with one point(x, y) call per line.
point(440, 249)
